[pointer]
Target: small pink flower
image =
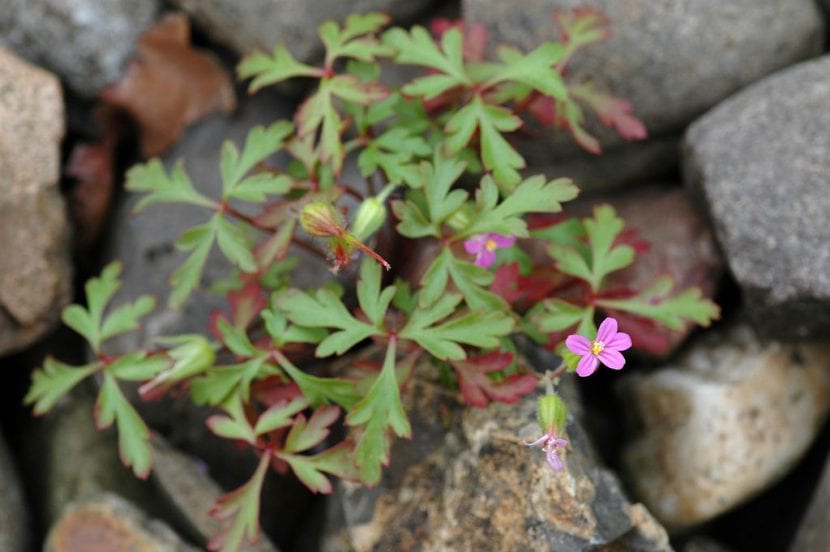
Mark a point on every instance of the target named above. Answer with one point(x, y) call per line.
point(484, 246)
point(549, 443)
point(606, 348)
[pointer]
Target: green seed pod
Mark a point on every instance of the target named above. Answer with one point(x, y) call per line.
point(552, 413)
point(370, 217)
point(320, 219)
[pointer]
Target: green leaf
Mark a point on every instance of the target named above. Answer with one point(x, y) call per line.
point(355, 40)
point(658, 303)
point(133, 434)
point(53, 381)
point(480, 328)
point(534, 69)
point(150, 177)
point(533, 195)
point(417, 47)
point(257, 187)
point(138, 366)
point(233, 243)
point(470, 279)
point(309, 469)
point(279, 415)
point(277, 67)
point(558, 315)
point(325, 310)
point(242, 507)
point(260, 144)
point(305, 435)
point(219, 382)
point(125, 318)
point(236, 339)
point(235, 425)
point(380, 409)
point(373, 302)
point(185, 279)
point(319, 391)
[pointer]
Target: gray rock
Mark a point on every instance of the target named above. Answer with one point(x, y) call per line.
point(35, 272)
point(723, 423)
point(108, 522)
point(812, 534)
point(466, 482)
point(14, 513)
point(86, 42)
point(671, 59)
point(760, 161)
point(261, 24)
point(189, 493)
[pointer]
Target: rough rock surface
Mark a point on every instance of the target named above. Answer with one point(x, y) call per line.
point(86, 42)
point(813, 533)
point(35, 273)
point(108, 522)
point(261, 24)
point(671, 59)
point(466, 482)
point(14, 513)
point(723, 423)
point(760, 161)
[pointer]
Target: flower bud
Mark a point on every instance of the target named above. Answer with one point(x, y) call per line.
point(321, 219)
point(369, 218)
point(552, 413)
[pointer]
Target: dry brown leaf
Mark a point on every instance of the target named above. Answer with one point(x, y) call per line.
point(170, 85)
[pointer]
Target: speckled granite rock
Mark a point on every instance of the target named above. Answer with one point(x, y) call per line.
point(86, 42)
point(466, 482)
point(723, 423)
point(35, 272)
point(672, 59)
point(246, 26)
point(108, 522)
point(760, 162)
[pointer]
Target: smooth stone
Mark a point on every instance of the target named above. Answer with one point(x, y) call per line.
point(86, 42)
point(722, 423)
point(109, 522)
point(466, 482)
point(35, 268)
point(759, 161)
point(672, 60)
point(262, 24)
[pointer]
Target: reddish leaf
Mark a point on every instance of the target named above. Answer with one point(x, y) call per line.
point(475, 36)
point(170, 85)
point(477, 386)
point(612, 112)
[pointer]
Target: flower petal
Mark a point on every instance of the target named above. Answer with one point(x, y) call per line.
point(578, 344)
point(619, 342)
point(587, 365)
point(612, 359)
point(537, 442)
point(485, 258)
point(475, 244)
point(607, 330)
point(502, 241)
point(554, 461)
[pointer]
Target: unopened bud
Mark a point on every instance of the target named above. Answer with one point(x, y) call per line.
point(552, 413)
point(369, 218)
point(321, 219)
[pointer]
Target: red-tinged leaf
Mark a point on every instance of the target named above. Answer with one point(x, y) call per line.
point(274, 390)
point(305, 435)
point(646, 335)
point(582, 26)
point(170, 85)
point(477, 386)
point(246, 304)
point(542, 108)
point(524, 291)
point(475, 36)
point(612, 112)
point(241, 508)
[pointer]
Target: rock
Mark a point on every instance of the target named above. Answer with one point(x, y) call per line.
point(189, 493)
point(14, 513)
point(261, 24)
point(723, 423)
point(671, 60)
point(760, 162)
point(108, 522)
point(35, 271)
point(466, 482)
point(86, 42)
point(703, 544)
point(812, 533)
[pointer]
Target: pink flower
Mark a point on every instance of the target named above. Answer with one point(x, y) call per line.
point(606, 348)
point(550, 442)
point(484, 247)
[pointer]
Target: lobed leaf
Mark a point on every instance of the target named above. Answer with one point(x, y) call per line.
point(133, 434)
point(53, 381)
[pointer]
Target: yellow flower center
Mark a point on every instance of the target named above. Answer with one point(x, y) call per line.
point(597, 347)
point(490, 245)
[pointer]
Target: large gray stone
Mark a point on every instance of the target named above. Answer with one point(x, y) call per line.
point(466, 482)
point(723, 423)
point(86, 42)
point(261, 24)
point(672, 59)
point(760, 161)
point(35, 272)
